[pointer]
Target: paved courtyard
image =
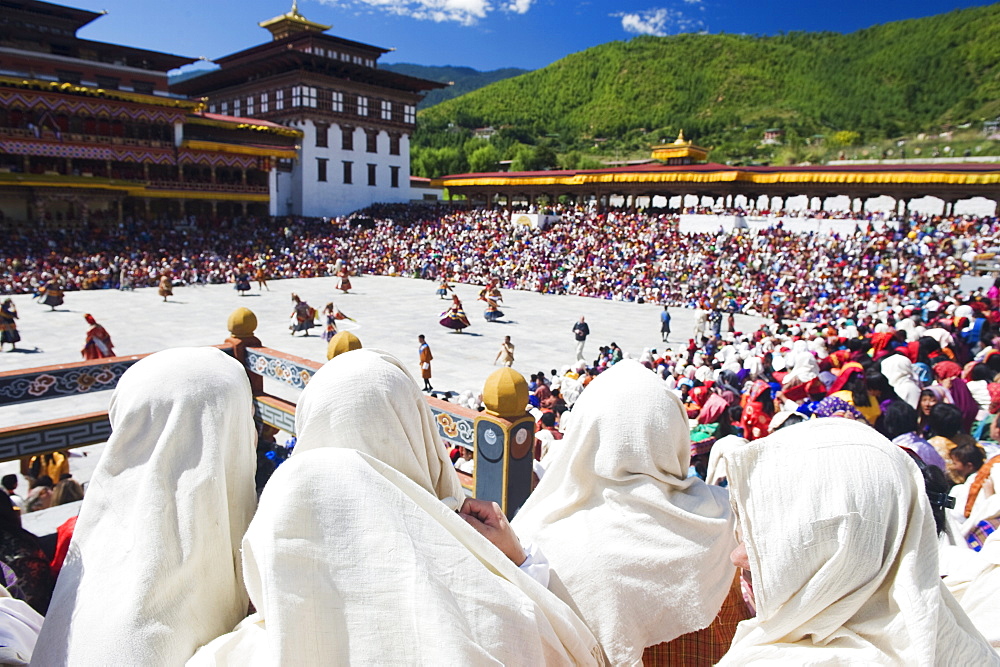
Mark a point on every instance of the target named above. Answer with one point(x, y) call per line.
point(390, 313)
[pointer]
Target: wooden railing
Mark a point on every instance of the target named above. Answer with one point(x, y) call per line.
point(501, 438)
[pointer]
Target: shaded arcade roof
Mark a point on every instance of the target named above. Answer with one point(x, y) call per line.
point(956, 174)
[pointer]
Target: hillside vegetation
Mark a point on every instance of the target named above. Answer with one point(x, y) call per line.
point(462, 79)
point(877, 84)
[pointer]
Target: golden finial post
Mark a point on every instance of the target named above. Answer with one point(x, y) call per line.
point(505, 441)
point(242, 324)
point(342, 341)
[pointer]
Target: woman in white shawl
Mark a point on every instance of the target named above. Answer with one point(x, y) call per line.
point(843, 552)
point(898, 370)
point(351, 563)
point(636, 546)
point(153, 570)
point(367, 401)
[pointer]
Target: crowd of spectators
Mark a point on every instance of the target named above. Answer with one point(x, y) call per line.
point(614, 255)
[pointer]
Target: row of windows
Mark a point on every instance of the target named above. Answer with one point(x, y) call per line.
point(339, 55)
point(311, 97)
point(347, 139)
point(348, 173)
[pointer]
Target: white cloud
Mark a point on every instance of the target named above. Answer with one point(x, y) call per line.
point(466, 12)
point(659, 21)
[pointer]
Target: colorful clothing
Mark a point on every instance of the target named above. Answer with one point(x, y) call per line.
point(454, 317)
point(166, 287)
point(330, 330)
point(8, 323)
point(705, 646)
point(98, 345)
point(343, 282)
point(53, 294)
point(756, 420)
point(425, 361)
point(492, 313)
point(304, 315)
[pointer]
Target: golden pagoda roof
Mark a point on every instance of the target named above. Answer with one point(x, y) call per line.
point(680, 149)
point(290, 23)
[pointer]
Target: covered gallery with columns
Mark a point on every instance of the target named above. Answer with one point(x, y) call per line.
point(679, 178)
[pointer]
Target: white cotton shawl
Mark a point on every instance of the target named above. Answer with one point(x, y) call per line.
point(981, 599)
point(153, 570)
point(348, 562)
point(367, 401)
point(898, 370)
point(804, 368)
point(843, 554)
point(19, 627)
point(637, 547)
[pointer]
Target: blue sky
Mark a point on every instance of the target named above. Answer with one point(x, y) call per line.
point(484, 34)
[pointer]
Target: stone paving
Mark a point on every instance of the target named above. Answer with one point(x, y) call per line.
point(390, 313)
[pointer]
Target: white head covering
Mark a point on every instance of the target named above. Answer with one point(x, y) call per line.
point(943, 337)
point(804, 368)
point(153, 570)
point(366, 400)
point(843, 552)
point(641, 548)
point(349, 562)
point(899, 371)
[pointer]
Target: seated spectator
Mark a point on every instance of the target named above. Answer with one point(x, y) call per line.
point(946, 434)
point(847, 571)
point(153, 569)
point(901, 427)
point(426, 589)
point(21, 552)
point(39, 495)
point(658, 568)
point(9, 483)
point(66, 491)
point(366, 400)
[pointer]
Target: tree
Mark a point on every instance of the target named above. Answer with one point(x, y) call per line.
point(847, 137)
point(484, 158)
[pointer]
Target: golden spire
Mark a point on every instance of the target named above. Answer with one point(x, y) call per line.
point(291, 23)
point(680, 137)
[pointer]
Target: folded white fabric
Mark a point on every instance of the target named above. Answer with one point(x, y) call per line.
point(19, 627)
point(981, 598)
point(843, 553)
point(366, 400)
point(348, 562)
point(636, 546)
point(153, 570)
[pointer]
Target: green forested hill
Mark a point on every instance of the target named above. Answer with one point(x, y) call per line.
point(724, 90)
point(463, 79)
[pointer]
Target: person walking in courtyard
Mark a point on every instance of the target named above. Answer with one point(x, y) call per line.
point(98, 343)
point(425, 362)
point(665, 324)
point(303, 316)
point(166, 286)
point(505, 354)
point(8, 325)
point(261, 277)
point(52, 294)
point(580, 330)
